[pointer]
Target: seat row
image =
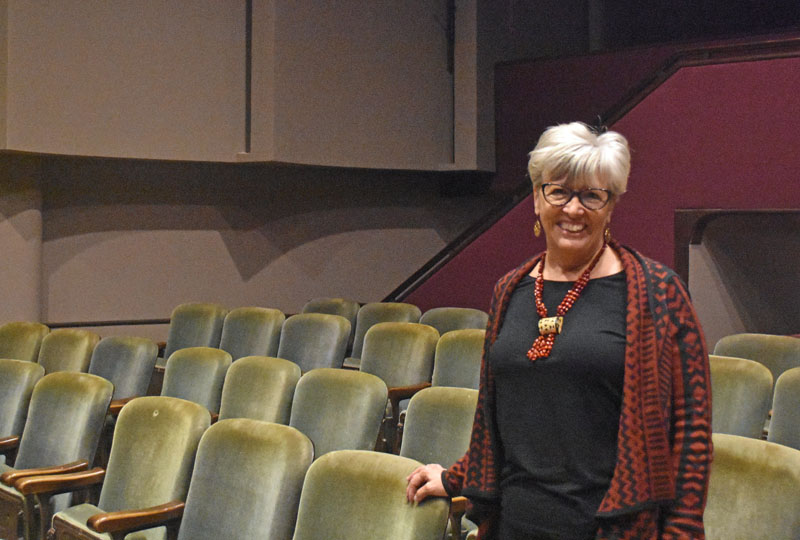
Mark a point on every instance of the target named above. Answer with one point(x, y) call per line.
point(68, 409)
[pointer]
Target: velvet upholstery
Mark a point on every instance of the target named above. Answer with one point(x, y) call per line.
point(17, 378)
point(343, 307)
point(151, 462)
point(785, 425)
point(447, 319)
point(194, 325)
point(339, 409)
point(457, 361)
point(742, 391)
point(246, 482)
point(360, 495)
point(260, 388)
point(125, 361)
point(377, 312)
point(314, 340)
point(66, 415)
point(197, 374)
point(438, 424)
point(778, 353)
point(251, 331)
point(754, 490)
point(67, 349)
point(21, 340)
point(400, 353)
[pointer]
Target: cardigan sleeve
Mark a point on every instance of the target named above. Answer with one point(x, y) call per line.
point(690, 420)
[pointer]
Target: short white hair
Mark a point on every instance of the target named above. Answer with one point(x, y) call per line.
point(575, 152)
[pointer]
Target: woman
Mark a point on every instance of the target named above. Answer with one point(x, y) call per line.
point(593, 416)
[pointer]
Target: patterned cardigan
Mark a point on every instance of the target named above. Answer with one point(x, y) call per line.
point(659, 485)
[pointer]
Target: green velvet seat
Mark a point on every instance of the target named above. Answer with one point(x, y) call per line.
point(785, 425)
point(360, 495)
point(457, 361)
point(344, 307)
point(151, 462)
point(67, 349)
point(754, 490)
point(377, 312)
point(438, 424)
point(401, 354)
point(778, 353)
point(251, 331)
point(194, 324)
point(197, 374)
point(17, 378)
point(742, 391)
point(447, 319)
point(314, 340)
point(259, 388)
point(125, 361)
point(21, 340)
point(339, 409)
point(66, 415)
point(252, 496)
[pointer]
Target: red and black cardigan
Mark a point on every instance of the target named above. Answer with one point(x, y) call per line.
point(664, 450)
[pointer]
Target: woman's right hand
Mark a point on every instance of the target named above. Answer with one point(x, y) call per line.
point(424, 482)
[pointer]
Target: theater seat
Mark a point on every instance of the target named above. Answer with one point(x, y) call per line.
point(194, 324)
point(785, 425)
point(777, 353)
point(151, 462)
point(245, 485)
point(377, 312)
point(259, 388)
point(21, 340)
point(17, 379)
point(742, 396)
point(343, 307)
point(447, 319)
point(66, 415)
point(457, 361)
point(360, 495)
point(197, 374)
point(125, 361)
point(314, 340)
point(67, 349)
point(251, 331)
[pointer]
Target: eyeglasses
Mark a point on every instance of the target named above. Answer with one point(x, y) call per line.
point(591, 199)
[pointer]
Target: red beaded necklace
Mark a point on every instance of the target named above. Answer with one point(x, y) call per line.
point(550, 326)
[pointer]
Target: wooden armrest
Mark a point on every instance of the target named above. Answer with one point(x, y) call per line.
point(8, 443)
point(116, 405)
point(458, 506)
point(404, 392)
point(60, 483)
point(134, 520)
point(214, 417)
point(9, 478)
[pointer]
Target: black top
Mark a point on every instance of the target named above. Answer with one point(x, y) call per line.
point(558, 416)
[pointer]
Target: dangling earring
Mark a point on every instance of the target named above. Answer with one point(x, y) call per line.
point(607, 234)
point(537, 228)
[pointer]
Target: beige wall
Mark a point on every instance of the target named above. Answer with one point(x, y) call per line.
point(3, 69)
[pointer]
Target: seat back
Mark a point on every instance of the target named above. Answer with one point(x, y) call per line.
point(251, 331)
point(400, 353)
point(21, 340)
point(378, 312)
point(753, 491)
point(742, 391)
point(17, 379)
point(259, 388)
point(457, 361)
point(784, 428)
point(197, 374)
point(152, 453)
point(339, 409)
point(447, 319)
point(246, 482)
point(371, 487)
point(125, 361)
point(438, 424)
point(195, 324)
point(65, 417)
point(778, 353)
point(314, 340)
point(343, 307)
point(67, 349)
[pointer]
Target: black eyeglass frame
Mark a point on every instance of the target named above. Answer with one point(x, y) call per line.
point(579, 193)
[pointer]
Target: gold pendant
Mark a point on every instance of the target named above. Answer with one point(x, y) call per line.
point(550, 325)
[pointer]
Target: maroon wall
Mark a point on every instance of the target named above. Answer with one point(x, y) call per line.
point(717, 136)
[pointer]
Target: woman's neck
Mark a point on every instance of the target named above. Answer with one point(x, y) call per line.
point(560, 268)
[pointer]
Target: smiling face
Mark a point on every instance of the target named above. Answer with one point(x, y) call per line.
point(573, 233)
